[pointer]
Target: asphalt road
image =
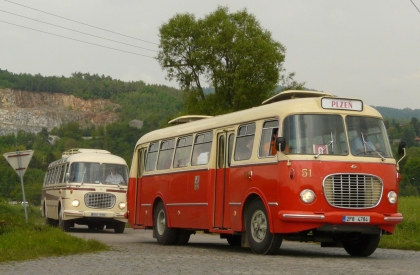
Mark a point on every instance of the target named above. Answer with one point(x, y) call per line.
point(136, 252)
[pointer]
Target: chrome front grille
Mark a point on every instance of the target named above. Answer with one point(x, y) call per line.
point(99, 200)
point(353, 191)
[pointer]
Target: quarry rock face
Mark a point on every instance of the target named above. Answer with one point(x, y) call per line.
point(32, 111)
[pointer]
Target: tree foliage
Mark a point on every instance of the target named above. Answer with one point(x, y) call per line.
point(230, 51)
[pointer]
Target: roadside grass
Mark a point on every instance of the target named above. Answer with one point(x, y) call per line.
point(20, 241)
point(407, 234)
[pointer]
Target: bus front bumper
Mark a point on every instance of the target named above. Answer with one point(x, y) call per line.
point(341, 217)
point(94, 214)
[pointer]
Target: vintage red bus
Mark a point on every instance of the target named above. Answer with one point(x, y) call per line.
point(331, 179)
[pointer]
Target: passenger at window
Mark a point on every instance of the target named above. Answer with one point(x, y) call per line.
point(270, 146)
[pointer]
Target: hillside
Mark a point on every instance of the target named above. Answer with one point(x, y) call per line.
point(405, 113)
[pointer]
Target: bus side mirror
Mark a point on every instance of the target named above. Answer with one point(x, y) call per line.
point(280, 143)
point(401, 148)
point(67, 177)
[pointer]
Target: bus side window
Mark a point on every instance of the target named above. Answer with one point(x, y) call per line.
point(152, 156)
point(165, 154)
point(245, 142)
point(202, 148)
point(268, 138)
point(183, 152)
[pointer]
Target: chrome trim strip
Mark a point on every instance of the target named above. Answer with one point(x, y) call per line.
point(188, 204)
point(146, 204)
point(273, 203)
point(303, 216)
point(235, 203)
point(174, 171)
point(393, 219)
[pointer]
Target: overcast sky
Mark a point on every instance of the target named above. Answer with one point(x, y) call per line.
point(368, 49)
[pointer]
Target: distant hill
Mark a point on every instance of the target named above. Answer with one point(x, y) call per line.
point(405, 113)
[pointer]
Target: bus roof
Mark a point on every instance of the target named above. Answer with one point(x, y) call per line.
point(88, 155)
point(301, 103)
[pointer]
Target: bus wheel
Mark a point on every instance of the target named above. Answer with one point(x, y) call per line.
point(164, 234)
point(261, 240)
point(183, 237)
point(91, 226)
point(64, 225)
point(362, 247)
point(119, 227)
point(234, 240)
point(100, 226)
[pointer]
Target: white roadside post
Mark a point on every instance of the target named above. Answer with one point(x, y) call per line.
point(19, 161)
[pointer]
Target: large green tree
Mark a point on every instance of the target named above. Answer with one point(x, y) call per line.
point(230, 52)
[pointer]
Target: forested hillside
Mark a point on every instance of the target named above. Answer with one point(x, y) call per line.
point(405, 113)
point(154, 105)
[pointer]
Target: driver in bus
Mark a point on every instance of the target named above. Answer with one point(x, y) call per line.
point(114, 177)
point(361, 143)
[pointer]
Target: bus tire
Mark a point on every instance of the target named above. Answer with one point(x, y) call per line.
point(261, 240)
point(363, 247)
point(164, 234)
point(183, 237)
point(62, 224)
point(119, 227)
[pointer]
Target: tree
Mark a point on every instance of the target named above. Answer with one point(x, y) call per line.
point(230, 51)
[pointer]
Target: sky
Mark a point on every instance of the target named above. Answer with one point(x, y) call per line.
point(355, 48)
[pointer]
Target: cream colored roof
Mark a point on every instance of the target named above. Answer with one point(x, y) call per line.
point(280, 109)
point(185, 119)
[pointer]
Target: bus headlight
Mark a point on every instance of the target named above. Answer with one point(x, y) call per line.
point(307, 196)
point(392, 197)
point(75, 203)
point(121, 205)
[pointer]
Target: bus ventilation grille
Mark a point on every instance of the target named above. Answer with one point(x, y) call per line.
point(353, 191)
point(99, 200)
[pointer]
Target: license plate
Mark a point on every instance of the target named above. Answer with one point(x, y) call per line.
point(98, 214)
point(356, 218)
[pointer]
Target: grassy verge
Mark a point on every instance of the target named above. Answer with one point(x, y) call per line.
point(20, 241)
point(407, 233)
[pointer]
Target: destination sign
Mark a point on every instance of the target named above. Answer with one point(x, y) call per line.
point(342, 104)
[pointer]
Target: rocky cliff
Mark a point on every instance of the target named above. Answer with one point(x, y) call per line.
point(31, 111)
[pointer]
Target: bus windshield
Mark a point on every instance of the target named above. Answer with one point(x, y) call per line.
point(315, 134)
point(325, 135)
point(91, 172)
point(367, 137)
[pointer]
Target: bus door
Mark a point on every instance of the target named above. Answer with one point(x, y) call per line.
point(139, 212)
point(225, 140)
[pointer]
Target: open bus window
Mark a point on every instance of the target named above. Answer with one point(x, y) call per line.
point(268, 138)
point(152, 156)
point(244, 142)
point(315, 134)
point(183, 152)
point(114, 174)
point(202, 147)
point(165, 154)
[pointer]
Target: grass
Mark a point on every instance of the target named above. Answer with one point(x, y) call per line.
point(407, 234)
point(20, 241)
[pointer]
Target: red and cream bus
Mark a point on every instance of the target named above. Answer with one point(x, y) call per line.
point(220, 175)
point(86, 187)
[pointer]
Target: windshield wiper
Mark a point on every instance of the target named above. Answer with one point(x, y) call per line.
point(370, 145)
point(321, 149)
